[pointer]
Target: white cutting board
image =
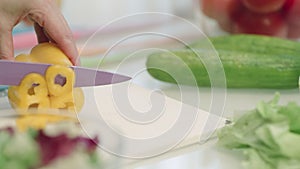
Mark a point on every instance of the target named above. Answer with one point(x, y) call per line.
point(147, 123)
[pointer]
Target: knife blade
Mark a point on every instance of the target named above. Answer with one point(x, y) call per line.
point(12, 72)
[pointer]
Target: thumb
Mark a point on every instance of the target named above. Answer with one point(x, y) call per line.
point(6, 44)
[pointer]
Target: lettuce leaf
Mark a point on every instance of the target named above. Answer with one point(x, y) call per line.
point(17, 151)
point(269, 135)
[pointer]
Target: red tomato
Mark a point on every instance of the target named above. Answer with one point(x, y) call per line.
point(217, 8)
point(288, 4)
point(294, 32)
point(222, 11)
point(263, 6)
point(225, 11)
point(292, 12)
point(207, 7)
point(272, 24)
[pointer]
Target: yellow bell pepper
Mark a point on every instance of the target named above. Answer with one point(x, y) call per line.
point(32, 92)
point(45, 53)
point(54, 90)
point(40, 121)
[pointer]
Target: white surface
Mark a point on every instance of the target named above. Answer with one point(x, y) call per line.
point(146, 127)
point(205, 156)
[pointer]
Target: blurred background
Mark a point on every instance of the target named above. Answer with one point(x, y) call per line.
point(87, 17)
point(91, 13)
point(213, 17)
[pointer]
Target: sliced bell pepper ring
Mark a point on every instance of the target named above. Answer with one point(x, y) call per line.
point(53, 90)
point(32, 92)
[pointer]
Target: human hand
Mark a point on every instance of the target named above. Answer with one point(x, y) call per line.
point(49, 25)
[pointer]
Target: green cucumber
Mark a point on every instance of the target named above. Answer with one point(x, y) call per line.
point(249, 61)
point(252, 43)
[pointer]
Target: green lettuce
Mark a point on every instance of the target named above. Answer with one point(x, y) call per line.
point(17, 151)
point(269, 136)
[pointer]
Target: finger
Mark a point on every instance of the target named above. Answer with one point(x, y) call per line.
point(58, 30)
point(6, 44)
point(41, 36)
point(28, 21)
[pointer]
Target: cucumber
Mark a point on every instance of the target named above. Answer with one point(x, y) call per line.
point(249, 61)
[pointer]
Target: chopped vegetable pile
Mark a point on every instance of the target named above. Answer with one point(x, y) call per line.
point(52, 90)
point(35, 149)
point(269, 136)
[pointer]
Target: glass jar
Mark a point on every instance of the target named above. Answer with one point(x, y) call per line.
point(280, 18)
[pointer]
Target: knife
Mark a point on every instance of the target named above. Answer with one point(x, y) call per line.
point(12, 72)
